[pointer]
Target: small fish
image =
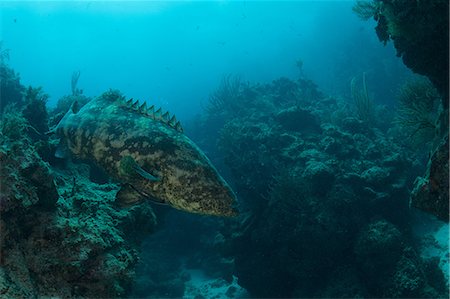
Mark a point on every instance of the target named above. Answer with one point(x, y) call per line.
point(147, 152)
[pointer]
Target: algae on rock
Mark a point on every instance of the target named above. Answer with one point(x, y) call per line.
point(310, 197)
point(61, 234)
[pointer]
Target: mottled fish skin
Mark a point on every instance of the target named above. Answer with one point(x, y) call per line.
point(107, 129)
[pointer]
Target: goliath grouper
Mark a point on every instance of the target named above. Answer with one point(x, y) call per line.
point(147, 152)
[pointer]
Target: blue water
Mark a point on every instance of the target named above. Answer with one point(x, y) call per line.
point(175, 53)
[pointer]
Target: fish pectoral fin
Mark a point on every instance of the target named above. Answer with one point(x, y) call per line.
point(145, 174)
point(129, 167)
point(128, 196)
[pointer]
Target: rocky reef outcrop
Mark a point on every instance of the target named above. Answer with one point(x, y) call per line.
point(61, 234)
point(324, 199)
point(431, 191)
point(10, 88)
point(420, 33)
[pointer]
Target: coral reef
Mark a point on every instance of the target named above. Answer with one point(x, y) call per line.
point(402, 265)
point(10, 88)
point(431, 191)
point(227, 95)
point(26, 179)
point(420, 33)
point(35, 110)
point(419, 108)
point(159, 274)
point(363, 103)
point(322, 196)
point(62, 235)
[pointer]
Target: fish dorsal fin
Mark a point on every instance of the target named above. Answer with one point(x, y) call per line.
point(166, 116)
point(153, 113)
point(151, 110)
point(173, 121)
point(143, 108)
point(158, 114)
point(135, 105)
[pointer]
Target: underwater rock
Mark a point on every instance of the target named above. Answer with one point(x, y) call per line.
point(345, 284)
point(420, 34)
point(61, 234)
point(10, 88)
point(320, 176)
point(430, 193)
point(408, 281)
point(297, 119)
point(376, 176)
point(27, 181)
point(158, 273)
point(378, 247)
point(353, 124)
point(339, 143)
point(35, 110)
point(383, 252)
point(307, 196)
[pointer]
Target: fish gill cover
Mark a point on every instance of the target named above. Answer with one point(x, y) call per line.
point(330, 155)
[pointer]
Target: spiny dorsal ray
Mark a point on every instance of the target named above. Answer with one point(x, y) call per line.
point(157, 114)
point(143, 108)
point(173, 121)
point(166, 116)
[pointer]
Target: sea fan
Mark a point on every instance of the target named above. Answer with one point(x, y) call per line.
point(418, 109)
point(226, 96)
point(362, 101)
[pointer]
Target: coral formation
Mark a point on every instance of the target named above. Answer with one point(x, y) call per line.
point(227, 95)
point(61, 234)
point(346, 186)
point(74, 83)
point(419, 108)
point(420, 33)
point(363, 103)
point(26, 180)
point(431, 191)
point(35, 110)
point(10, 88)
